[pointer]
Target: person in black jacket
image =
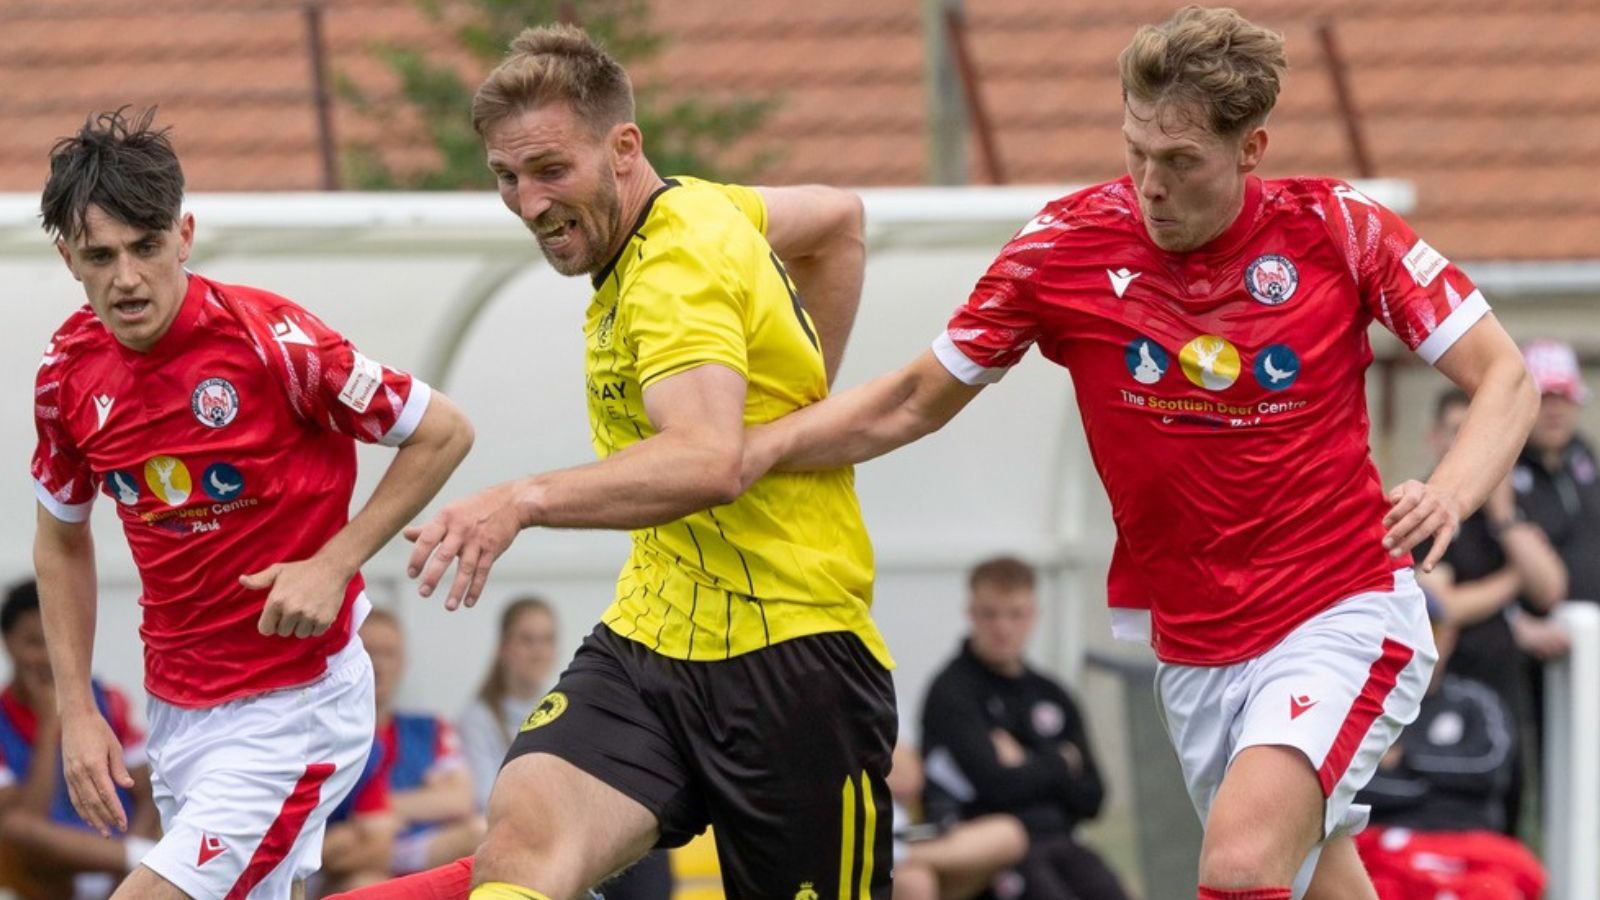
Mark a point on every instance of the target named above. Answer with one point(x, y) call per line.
point(1001, 737)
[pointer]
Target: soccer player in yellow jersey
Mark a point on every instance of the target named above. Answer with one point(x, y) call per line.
point(737, 679)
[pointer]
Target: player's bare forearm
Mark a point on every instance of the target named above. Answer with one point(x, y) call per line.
point(819, 234)
point(63, 562)
point(1486, 364)
point(864, 422)
point(419, 469)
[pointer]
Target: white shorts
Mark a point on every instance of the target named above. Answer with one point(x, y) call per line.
point(1339, 689)
point(245, 788)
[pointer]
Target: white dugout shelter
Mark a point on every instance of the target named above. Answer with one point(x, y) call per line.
point(451, 287)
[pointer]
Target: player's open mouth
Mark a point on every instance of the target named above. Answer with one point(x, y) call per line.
point(556, 236)
point(131, 309)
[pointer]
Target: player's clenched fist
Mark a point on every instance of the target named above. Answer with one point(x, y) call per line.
point(472, 532)
point(1419, 511)
point(305, 597)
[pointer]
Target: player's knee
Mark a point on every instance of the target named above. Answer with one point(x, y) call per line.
point(1242, 859)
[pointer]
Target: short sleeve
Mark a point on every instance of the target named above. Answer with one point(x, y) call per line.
point(332, 384)
point(993, 330)
point(683, 310)
point(62, 478)
point(749, 203)
point(1406, 284)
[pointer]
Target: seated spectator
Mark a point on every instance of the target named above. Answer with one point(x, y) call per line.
point(47, 852)
point(525, 654)
point(359, 842)
point(1496, 559)
point(1438, 807)
point(946, 863)
point(1000, 737)
point(430, 789)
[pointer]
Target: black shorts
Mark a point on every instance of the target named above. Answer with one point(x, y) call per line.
point(785, 750)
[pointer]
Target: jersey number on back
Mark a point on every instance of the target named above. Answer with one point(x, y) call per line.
point(794, 297)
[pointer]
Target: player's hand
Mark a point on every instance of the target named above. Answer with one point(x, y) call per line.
point(472, 533)
point(305, 597)
point(91, 760)
point(1418, 511)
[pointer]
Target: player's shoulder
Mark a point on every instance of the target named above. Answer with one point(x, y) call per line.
point(1102, 212)
point(81, 335)
point(698, 214)
point(247, 303)
point(1324, 198)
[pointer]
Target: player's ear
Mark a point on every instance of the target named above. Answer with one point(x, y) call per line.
point(66, 257)
point(185, 237)
point(627, 147)
point(1252, 148)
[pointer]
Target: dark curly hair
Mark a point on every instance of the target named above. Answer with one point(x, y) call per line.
point(121, 164)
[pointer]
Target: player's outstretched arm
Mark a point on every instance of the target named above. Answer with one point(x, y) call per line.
point(306, 595)
point(864, 422)
point(691, 463)
point(91, 755)
point(819, 234)
point(1485, 363)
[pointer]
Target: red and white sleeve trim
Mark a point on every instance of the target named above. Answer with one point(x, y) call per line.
point(962, 367)
point(66, 512)
point(410, 414)
point(1453, 327)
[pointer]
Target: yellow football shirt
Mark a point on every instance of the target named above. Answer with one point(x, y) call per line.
point(697, 284)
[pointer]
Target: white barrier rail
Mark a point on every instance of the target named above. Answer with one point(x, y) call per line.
point(1572, 759)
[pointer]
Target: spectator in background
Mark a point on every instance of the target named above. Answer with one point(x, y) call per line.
point(1555, 478)
point(360, 837)
point(1497, 557)
point(47, 851)
point(430, 788)
point(516, 679)
point(956, 862)
point(1438, 798)
point(1000, 737)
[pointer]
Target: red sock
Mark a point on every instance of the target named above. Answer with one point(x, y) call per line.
point(1247, 894)
point(451, 881)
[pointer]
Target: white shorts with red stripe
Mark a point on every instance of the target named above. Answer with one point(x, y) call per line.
point(1339, 689)
point(245, 788)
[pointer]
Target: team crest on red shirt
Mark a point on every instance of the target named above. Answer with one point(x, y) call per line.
point(214, 402)
point(1271, 279)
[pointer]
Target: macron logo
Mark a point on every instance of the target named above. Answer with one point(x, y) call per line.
point(1299, 705)
point(210, 848)
point(102, 408)
point(287, 332)
point(1121, 278)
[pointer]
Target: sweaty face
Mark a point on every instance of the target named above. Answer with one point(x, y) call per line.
point(1190, 180)
point(387, 647)
point(555, 173)
point(528, 651)
point(133, 277)
point(1002, 619)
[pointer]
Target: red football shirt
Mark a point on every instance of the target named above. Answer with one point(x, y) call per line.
point(1222, 393)
point(225, 448)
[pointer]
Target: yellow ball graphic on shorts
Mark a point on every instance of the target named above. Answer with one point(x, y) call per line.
point(1210, 362)
point(548, 710)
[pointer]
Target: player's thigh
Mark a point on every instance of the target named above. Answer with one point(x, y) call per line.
point(558, 829)
point(1265, 818)
point(1340, 874)
point(793, 743)
point(144, 884)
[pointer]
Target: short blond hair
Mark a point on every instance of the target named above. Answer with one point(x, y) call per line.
point(1214, 60)
point(555, 64)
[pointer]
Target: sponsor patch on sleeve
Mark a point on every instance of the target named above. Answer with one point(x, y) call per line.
point(362, 385)
point(1424, 263)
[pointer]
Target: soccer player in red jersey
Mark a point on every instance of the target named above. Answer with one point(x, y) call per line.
point(221, 422)
point(1215, 325)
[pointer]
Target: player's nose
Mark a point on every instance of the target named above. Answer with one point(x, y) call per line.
point(532, 201)
point(125, 275)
